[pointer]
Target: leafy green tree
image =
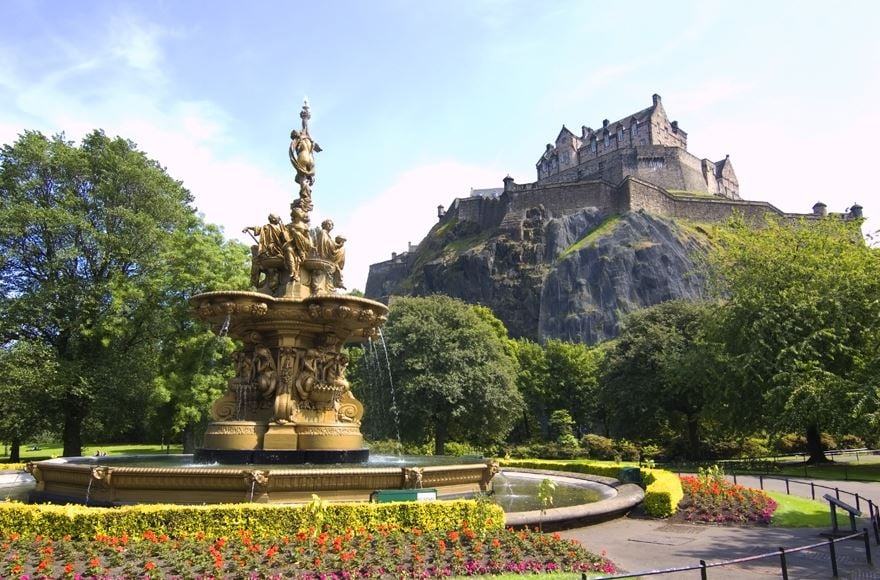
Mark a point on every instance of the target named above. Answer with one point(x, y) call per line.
point(659, 372)
point(26, 370)
point(532, 380)
point(453, 376)
point(573, 380)
point(92, 238)
point(801, 326)
point(558, 376)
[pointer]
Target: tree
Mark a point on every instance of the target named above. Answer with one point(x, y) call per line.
point(454, 379)
point(532, 381)
point(800, 326)
point(89, 238)
point(573, 380)
point(658, 374)
point(558, 376)
point(26, 370)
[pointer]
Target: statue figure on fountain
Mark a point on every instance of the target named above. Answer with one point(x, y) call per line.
point(268, 254)
point(301, 152)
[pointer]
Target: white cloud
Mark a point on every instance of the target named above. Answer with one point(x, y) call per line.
point(405, 211)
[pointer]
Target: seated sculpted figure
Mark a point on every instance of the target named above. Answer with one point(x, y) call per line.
point(270, 238)
point(299, 244)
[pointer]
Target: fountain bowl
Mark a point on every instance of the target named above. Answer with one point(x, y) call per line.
point(112, 481)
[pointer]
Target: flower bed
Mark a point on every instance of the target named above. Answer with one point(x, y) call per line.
point(708, 497)
point(385, 552)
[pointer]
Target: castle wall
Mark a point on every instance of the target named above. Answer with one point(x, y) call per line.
point(559, 199)
point(485, 211)
point(385, 277)
point(650, 198)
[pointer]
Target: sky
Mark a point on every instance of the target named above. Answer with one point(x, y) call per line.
point(415, 102)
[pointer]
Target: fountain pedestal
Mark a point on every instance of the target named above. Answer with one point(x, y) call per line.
point(289, 401)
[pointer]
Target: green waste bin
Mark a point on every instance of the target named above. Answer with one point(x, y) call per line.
point(630, 475)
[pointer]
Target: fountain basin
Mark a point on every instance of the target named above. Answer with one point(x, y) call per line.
point(116, 481)
point(617, 498)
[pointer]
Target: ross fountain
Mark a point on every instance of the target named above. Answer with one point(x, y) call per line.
point(289, 401)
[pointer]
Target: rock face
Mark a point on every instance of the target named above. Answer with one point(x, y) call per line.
point(571, 277)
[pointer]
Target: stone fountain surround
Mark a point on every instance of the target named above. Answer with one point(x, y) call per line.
point(619, 499)
point(98, 482)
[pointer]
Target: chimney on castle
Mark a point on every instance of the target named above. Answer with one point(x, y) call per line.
point(440, 211)
point(605, 123)
point(820, 209)
point(674, 126)
point(656, 98)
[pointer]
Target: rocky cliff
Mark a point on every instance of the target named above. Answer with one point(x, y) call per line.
point(571, 277)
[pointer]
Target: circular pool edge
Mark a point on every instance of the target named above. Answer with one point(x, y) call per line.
point(626, 496)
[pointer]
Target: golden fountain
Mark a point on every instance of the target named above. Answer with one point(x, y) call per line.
point(289, 401)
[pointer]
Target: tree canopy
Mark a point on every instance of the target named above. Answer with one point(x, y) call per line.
point(659, 373)
point(453, 376)
point(100, 249)
point(800, 325)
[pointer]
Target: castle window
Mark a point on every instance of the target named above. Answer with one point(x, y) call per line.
point(634, 128)
point(594, 146)
point(620, 135)
point(607, 140)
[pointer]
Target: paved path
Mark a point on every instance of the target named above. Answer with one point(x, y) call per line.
point(642, 544)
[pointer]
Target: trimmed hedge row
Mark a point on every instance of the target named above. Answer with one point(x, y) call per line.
point(662, 488)
point(263, 521)
point(12, 466)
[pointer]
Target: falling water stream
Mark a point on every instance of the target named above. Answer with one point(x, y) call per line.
point(89, 490)
point(224, 328)
point(394, 408)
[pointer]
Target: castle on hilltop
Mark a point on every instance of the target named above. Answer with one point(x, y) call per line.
point(645, 145)
point(639, 163)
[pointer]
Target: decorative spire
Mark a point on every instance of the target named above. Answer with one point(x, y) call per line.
point(305, 115)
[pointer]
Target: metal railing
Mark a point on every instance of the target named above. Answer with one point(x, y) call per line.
point(780, 553)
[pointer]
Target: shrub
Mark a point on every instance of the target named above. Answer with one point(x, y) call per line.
point(662, 492)
point(461, 449)
point(851, 442)
point(598, 447)
point(627, 450)
point(263, 521)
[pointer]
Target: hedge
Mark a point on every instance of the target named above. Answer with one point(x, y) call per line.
point(662, 488)
point(262, 520)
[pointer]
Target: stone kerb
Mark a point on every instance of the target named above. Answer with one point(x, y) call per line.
point(622, 498)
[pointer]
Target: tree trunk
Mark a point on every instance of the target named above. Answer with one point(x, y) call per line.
point(693, 433)
point(15, 450)
point(814, 445)
point(440, 436)
point(72, 434)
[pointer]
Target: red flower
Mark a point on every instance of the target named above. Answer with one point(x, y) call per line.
point(149, 566)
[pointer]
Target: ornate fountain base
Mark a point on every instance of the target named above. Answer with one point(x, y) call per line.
point(289, 401)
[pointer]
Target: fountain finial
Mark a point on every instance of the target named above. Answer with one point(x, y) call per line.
point(305, 115)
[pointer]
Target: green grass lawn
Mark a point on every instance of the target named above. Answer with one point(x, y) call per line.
point(48, 452)
point(862, 470)
point(799, 512)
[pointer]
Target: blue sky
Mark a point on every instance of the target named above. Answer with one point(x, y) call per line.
point(415, 102)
